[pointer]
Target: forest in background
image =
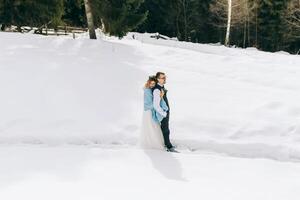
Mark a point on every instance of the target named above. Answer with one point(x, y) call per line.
point(269, 25)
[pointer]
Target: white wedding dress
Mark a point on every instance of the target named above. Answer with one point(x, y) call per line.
point(151, 134)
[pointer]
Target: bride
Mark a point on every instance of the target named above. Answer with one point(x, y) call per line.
point(151, 134)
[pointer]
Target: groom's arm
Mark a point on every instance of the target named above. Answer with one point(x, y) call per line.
point(156, 103)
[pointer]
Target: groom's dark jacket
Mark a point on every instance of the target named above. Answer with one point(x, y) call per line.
point(164, 104)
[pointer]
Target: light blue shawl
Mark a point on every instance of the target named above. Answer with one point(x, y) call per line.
point(148, 105)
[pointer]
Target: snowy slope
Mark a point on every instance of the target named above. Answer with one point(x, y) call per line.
point(71, 113)
point(57, 90)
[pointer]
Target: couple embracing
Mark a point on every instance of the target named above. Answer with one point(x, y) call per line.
point(155, 133)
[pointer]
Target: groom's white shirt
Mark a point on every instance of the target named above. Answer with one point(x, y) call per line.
point(156, 102)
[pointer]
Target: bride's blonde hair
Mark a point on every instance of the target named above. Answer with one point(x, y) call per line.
point(150, 79)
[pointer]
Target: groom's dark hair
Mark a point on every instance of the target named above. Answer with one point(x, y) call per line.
point(158, 74)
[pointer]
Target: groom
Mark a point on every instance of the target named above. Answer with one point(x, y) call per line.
point(157, 90)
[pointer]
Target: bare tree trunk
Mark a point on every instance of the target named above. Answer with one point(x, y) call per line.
point(90, 21)
point(228, 23)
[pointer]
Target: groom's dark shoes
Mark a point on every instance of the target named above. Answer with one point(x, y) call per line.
point(173, 150)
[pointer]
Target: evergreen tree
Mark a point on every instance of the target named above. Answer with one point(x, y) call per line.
point(118, 17)
point(199, 28)
point(74, 13)
point(8, 12)
point(162, 17)
point(185, 19)
point(30, 12)
point(271, 24)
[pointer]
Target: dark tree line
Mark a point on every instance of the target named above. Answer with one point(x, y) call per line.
point(116, 17)
point(188, 20)
point(30, 12)
point(270, 25)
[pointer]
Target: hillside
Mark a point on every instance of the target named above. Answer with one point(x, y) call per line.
point(71, 113)
point(57, 90)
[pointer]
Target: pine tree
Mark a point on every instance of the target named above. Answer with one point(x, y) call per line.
point(199, 28)
point(74, 13)
point(118, 17)
point(30, 12)
point(8, 12)
point(185, 19)
point(162, 17)
point(271, 24)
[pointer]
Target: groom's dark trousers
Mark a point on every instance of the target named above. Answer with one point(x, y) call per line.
point(166, 131)
point(164, 124)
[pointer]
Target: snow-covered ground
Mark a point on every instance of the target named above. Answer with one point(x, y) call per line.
point(71, 113)
point(80, 173)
